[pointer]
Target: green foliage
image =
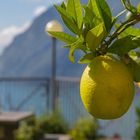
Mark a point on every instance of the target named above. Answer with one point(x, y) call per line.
point(134, 67)
point(74, 46)
point(94, 8)
point(123, 45)
point(97, 32)
point(138, 7)
point(63, 37)
point(95, 36)
point(35, 128)
point(130, 31)
point(87, 58)
point(29, 130)
point(53, 124)
point(92, 18)
point(68, 20)
point(105, 13)
point(101, 12)
point(85, 129)
point(74, 8)
point(89, 18)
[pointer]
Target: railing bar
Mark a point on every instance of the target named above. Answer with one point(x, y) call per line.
point(23, 79)
point(67, 79)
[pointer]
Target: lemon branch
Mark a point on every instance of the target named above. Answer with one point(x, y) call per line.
point(130, 22)
point(122, 27)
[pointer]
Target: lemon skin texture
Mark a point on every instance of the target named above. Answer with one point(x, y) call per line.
point(106, 88)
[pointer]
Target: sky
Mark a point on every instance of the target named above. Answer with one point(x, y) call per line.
point(17, 15)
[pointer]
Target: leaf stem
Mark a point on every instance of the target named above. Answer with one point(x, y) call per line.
point(130, 22)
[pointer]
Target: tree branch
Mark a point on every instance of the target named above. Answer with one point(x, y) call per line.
point(132, 21)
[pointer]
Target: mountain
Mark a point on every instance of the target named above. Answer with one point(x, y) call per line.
point(30, 52)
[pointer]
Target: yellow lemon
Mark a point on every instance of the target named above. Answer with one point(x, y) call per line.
point(106, 88)
point(138, 84)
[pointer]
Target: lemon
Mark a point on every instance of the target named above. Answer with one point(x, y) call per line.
point(106, 88)
point(138, 84)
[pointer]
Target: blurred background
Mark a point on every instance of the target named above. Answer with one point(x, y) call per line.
point(37, 77)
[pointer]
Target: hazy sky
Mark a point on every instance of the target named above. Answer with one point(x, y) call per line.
point(17, 15)
point(17, 12)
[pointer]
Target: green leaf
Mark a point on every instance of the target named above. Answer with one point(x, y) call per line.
point(134, 69)
point(138, 7)
point(74, 8)
point(94, 7)
point(105, 13)
point(138, 54)
point(63, 5)
point(95, 36)
point(73, 47)
point(87, 58)
point(62, 11)
point(63, 37)
point(102, 11)
point(69, 22)
point(124, 2)
point(124, 45)
point(88, 17)
point(133, 54)
point(130, 31)
point(71, 25)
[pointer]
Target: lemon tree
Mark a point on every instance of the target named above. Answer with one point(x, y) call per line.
point(111, 50)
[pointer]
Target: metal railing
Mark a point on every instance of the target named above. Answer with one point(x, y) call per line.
point(34, 94)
